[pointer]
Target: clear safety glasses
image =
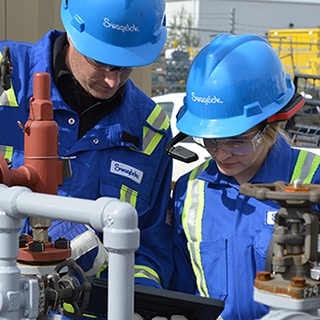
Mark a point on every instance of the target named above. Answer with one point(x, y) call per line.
point(99, 65)
point(236, 146)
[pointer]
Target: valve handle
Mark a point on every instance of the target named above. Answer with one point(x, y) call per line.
point(285, 194)
point(72, 290)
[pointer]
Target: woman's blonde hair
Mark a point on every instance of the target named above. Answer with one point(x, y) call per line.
point(272, 132)
point(274, 128)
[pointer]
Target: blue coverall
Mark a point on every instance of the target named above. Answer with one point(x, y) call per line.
point(222, 238)
point(101, 163)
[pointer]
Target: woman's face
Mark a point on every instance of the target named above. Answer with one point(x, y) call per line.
point(240, 166)
point(98, 80)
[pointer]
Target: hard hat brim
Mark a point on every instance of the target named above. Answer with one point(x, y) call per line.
point(199, 127)
point(117, 55)
point(121, 56)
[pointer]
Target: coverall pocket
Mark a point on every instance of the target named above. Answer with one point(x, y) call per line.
point(211, 262)
point(125, 193)
point(261, 244)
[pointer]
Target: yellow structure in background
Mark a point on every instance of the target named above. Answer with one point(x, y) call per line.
point(299, 49)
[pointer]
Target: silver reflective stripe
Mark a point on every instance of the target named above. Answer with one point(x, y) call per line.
point(307, 165)
point(3, 150)
point(6, 152)
point(157, 124)
point(192, 224)
point(192, 194)
point(3, 97)
point(128, 195)
point(146, 272)
point(159, 120)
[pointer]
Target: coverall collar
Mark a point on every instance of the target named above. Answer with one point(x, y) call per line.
point(90, 109)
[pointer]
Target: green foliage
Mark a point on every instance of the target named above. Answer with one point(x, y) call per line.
point(181, 31)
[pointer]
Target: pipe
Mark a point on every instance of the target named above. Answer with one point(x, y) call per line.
point(117, 219)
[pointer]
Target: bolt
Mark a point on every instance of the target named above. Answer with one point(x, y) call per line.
point(297, 183)
point(22, 242)
point(298, 282)
point(62, 243)
point(37, 246)
point(263, 276)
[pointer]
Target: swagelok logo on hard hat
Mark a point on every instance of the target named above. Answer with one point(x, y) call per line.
point(123, 28)
point(206, 100)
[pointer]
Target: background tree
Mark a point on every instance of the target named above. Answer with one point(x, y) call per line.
point(181, 31)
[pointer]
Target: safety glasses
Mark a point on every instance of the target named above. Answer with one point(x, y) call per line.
point(236, 146)
point(110, 68)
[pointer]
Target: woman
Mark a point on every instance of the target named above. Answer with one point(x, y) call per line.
point(237, 92)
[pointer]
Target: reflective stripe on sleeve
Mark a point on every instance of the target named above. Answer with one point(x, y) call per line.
point(85, 242)
point(306, 166)
point(6, 152)
point(146, 272)
point(157, 119)
point(7, 97)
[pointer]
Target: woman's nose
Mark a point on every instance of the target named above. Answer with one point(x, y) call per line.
point(220, 154)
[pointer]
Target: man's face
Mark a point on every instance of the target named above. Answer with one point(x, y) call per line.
point(98, 80)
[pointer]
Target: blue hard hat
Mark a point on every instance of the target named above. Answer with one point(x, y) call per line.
point(126, 33)
point(234, 83)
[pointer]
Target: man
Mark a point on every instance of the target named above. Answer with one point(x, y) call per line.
point(107, 126)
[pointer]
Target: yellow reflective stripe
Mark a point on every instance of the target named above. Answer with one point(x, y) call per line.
point(191, 201)
point(159, 120)
point(188, 204)
point(7, 97)
point(192, 215)
point(90, 316)
point(11, 97)
point(69, 308)
point(9, 152)
point(306, 166)
point(299, 165)
point(6, 152)
point(146, 272)
point(103, 268)
point(314, 166)
point(128, 195)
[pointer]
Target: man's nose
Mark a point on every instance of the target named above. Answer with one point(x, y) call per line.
point(112, 78)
